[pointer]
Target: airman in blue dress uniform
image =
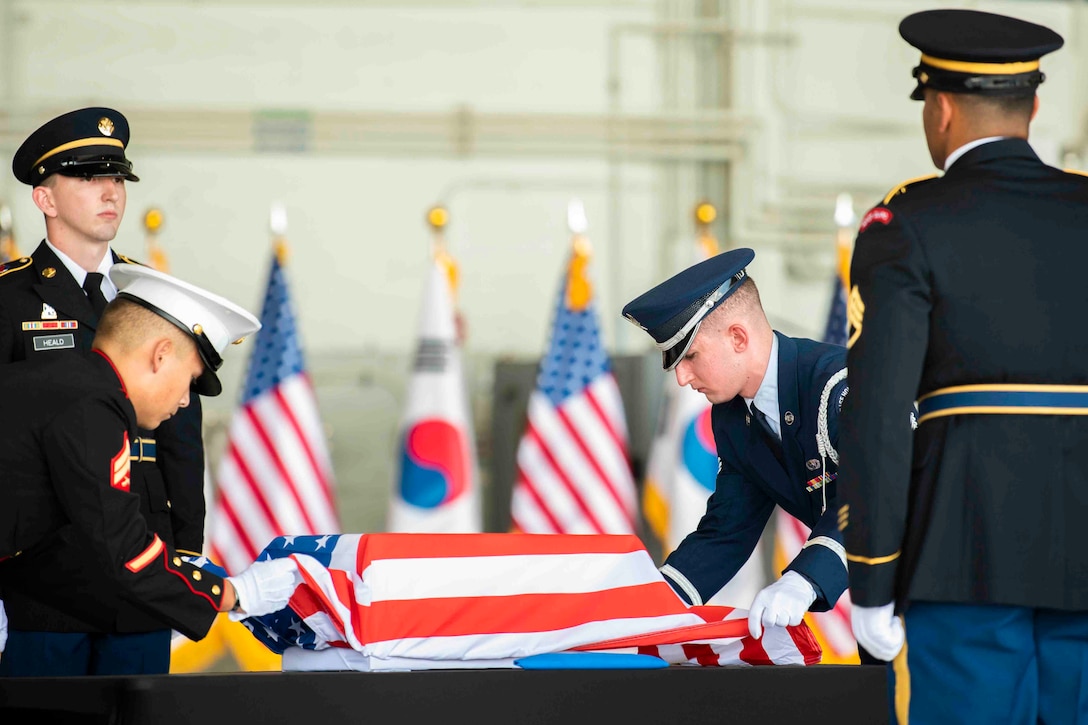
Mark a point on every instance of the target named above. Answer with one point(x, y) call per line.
point(766, 390)
point(968, 296)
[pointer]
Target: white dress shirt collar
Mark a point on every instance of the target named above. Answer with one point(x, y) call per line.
point(767, 395)
point(109, 290)
point(955, 155)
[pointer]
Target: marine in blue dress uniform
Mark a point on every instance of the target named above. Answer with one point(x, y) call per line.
point(968, 296)
point(45, 312)
point(65, 431)
point(767, 392)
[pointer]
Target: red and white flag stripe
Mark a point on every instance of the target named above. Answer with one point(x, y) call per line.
point(573, 475)
point(275, 474)
point(410, 600)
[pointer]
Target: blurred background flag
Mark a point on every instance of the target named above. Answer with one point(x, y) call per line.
point(8, 249)
point(832, 628)
point(835, 331)
point(156, 256)
point(683, 461)
point(574, 475)
point(435, 479)
point(275, 475)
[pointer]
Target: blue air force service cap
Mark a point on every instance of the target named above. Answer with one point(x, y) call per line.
point(672, 311)
point(88, 142)
point(968, 51)
point(210, 320)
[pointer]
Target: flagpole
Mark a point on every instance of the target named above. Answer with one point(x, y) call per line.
point(705, 214)
point(573, 467)
point(8, 249)
point(277, 225)
point(844, 236)
point(156, 257)
point(435, 481)
point(579, 288)
point(438, 217)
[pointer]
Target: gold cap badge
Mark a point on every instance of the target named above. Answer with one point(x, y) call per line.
point(105, 125)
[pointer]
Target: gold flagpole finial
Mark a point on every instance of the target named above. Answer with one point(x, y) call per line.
point(438, 217)
point(705, 213)
point(844, 237)
point(277, 225)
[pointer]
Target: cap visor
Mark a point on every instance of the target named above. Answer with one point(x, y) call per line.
point(208, 384)
point(97, 169)
point(671, 358)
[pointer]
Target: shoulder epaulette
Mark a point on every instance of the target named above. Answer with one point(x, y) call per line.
point(902, 188)
point(15, 265)
point(129, 260)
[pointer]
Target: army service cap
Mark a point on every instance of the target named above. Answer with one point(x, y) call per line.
point(210, 320)
point(88, 142)
point(672, 311)
point(968, 51)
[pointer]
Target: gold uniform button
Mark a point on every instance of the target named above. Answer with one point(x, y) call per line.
point(49, 273)
point(177, 561)
point(215, 589)
point(197, 576)
point(168, 504)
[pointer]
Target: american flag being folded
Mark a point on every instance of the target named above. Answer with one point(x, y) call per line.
point(418, 601)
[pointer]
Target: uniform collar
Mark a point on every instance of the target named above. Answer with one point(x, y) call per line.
point(766, 398)
point(109, 290)
point(955, 155)
point(113, 367)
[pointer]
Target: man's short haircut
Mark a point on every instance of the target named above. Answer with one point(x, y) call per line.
point(739, 304)
point(1015, 106)
point(129, 324)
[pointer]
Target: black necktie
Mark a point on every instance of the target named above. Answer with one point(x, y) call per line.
point(769, 437)
point(93, 287)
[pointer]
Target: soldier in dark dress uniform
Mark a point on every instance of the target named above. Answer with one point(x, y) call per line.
point(50, 303)
point(968, 296)
point(66, 427)
point(766, 390)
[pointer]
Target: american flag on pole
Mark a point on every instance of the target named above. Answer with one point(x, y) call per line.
point(421, 601)
point(573, 475)
point(831, 628)
point(275, 476)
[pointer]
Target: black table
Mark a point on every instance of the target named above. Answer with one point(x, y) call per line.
point(838, 695)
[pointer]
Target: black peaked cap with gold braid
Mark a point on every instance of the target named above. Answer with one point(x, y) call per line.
point(87, 142)
point(968, 51)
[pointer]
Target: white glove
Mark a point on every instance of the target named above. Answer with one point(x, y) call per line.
point(264, 587)
point(3, 627)
point(782, 603)
point(878, 630)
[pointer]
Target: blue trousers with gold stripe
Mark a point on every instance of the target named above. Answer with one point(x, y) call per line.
point(71, 654)
point(980, 663)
